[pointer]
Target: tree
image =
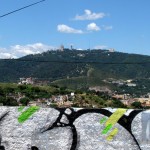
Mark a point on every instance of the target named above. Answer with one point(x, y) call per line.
point(78, 91)
point(9, 90)
point(2, 92)
point(35, 89)
point(118, 104)
point(9, 101)
point(2, 100)
point(24, 101)
point(54, 105)
point(136, 105)
point(22, 87)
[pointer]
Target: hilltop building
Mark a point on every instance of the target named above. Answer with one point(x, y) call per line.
point(71, 47)
point(111, 50)
point(61, 48)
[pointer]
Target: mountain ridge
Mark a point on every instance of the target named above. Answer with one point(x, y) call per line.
point(67, 64)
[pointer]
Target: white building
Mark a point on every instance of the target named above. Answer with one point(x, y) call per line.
point(131, 84)
point(111, 50)
point(26, 81)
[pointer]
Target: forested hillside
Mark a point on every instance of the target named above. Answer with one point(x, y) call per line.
point(76, 66)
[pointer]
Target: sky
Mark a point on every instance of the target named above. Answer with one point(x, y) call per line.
point(123, 25)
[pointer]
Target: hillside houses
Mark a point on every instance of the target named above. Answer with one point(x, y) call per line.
point(128, 102)
point(59, 100)
point(100, 89)
point(145, 102)
point(122, 96)
point(26, 81)
point(131, 84)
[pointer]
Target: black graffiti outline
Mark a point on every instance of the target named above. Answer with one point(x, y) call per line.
point(2, 147)
point(1, 118)
point(34, 148)
point(124, 121)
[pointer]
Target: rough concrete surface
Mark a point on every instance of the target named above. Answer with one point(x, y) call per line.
point(74, 129)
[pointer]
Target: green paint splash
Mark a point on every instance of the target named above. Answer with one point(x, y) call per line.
point(107, 128)
point(103, 120)
point(111, 121)
point(26, 114)
point(21, 108)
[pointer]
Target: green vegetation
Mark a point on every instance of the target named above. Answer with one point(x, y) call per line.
point(12, 70)
point(11, 93)
point(27, 113)
point(96, 100)
point(14, 95)
point(24, 101)
point(54, 105)
point(75, 76)
point(136, 105)
point(8, 101)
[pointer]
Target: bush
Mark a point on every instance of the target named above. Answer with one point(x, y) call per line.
point(53, 105)
point(9, 101)
point(24, 101)
point(136, 105)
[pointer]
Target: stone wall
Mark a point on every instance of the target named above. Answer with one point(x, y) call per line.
point(26, 128)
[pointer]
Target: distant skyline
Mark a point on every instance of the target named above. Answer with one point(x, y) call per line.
point(119, 24)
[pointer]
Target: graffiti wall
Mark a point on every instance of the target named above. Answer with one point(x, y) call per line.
point(34, 128)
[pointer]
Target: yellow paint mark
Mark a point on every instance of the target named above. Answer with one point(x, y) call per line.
point(112, 134)
point(113, 119)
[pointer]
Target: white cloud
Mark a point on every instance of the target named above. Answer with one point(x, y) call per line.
point(22, 50)
point(80, 49)
point(66, 29)
point(89, 15)
point(108, 27)
point(101, 47)
point(7, 56)
point(93, 27)
point(2, 49)
point(31, 48)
